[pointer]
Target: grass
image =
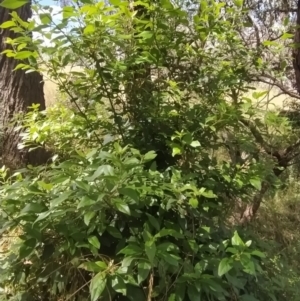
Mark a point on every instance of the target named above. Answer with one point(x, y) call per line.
point(50, 92)
point(51, 88)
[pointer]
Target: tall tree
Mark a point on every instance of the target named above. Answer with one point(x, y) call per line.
point(273, 33)
point(18, 91)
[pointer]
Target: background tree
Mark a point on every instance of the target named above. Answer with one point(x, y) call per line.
point(110, 217)
point(18, 90)
point(272, 35)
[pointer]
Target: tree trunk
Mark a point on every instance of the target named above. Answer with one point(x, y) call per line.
point(251, 209)
point(17, 91)
point(296, 52)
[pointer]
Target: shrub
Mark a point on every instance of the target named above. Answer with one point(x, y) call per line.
point(135, 203)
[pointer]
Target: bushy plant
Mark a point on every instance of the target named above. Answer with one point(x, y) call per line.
point(135, 203)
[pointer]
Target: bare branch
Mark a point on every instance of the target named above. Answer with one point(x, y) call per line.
point(275, 83)
point(256, 31)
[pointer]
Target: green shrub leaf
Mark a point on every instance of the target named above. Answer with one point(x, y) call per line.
point(225, 266)
point(97, 286)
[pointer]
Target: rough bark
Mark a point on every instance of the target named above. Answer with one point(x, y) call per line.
point(18, 91)
point(296, 52)
point(251, 209)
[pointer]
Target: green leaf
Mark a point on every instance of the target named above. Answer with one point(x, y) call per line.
point(236, 240)
point(33, 207)
point(172, 297)
point(13, 4)
point(97, 286)
point(248, 264)
point(176, 150)
point(88, 216)
point(225, 266)
point(171, 232)
point(232, 250)
point(258, 254)
point(195, 143)
point(248, 243)
point(45, 18)
point(83, 185)
point(60, 199)
point(150, 249)
point(131, 161)
point(239, 3)
point(171, 259)
point(259, 94)
point(27, 248)
point(149, 156)
point(208, 194)
point(8, 24)
point(68, 11)
point(90, 267)
point(269, 43)
point(187, 138)
point(143, 271)
point(145, 35)
point(114, 232)
point(247, 297)
point(42, 216)
point(131, 249)
point(255, 182)
point(122, 207)
point(286, 21)
point(45, 186)
point(34, 232)
point(193, 202)
point(287, 35)
point(180, 289)
point(133, 194)
point(127, 261)
point(21, 66)
point(101, 264)
point(93, 240)
point(22, 55)
point(193, 293)
point(89, 29)
point(115, 2)
point(153, 221)
point(102, 170)
point(119, 285)
point(85, 202)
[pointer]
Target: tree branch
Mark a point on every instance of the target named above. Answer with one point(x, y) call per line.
point(275, 83)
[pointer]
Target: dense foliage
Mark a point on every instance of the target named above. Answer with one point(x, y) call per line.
point(156, 152)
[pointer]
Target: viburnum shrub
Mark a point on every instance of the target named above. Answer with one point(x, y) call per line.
point(135, 202)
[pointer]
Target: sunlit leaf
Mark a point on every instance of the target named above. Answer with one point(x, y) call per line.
point(193, 202)
point(236, 240)
point(93, 240)
point(150, 156)
point(7, 24)
point(97, 286)
point(225, 266)
point(122, 207)
point(13, 4)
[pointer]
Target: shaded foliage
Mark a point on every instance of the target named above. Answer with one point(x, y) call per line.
point(138, 202)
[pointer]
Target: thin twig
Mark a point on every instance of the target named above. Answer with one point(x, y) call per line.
point(150, 287)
